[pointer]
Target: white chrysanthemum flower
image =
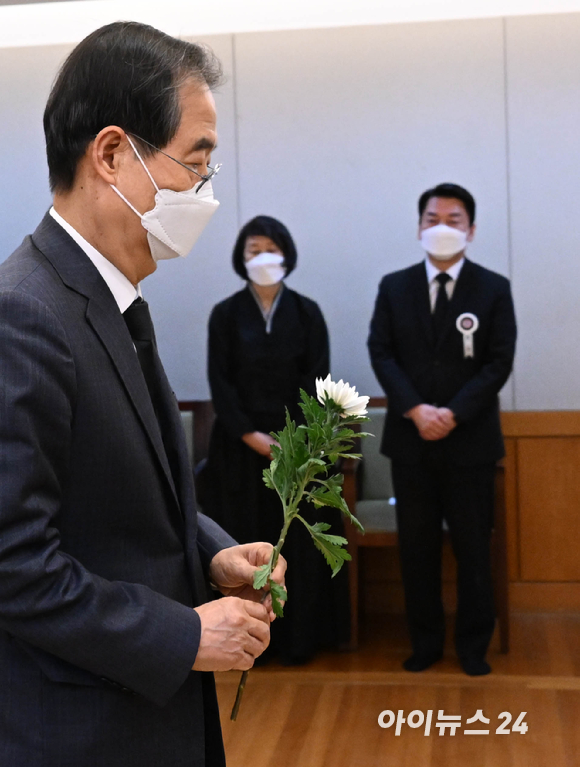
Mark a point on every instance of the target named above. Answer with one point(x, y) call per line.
point(345, 396)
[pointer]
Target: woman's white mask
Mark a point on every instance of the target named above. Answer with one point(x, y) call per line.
point(266, 269)
point(442, 241)
point(176, 222)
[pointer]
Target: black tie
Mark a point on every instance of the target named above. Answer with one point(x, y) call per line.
point(441, 304)
point(140, 325)
point(138, 320)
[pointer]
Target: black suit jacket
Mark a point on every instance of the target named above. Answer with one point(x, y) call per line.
point(413, 369)
point(102, 553)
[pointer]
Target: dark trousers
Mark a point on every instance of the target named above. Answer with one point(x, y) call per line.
point(427, 493)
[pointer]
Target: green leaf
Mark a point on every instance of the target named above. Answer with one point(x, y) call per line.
point(331, 546)
point(261, 576)
point(267, 477)
point(328, 494)
point(314, 466)
point(313, 411)
point(279, 595)
point(353, 520)
point(323, 496)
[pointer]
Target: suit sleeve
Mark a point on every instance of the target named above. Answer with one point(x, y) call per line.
point(498, 360)
point(226, 401)
point(401, 394)
point(211, 539)
point(317, 357)
point(119, 631)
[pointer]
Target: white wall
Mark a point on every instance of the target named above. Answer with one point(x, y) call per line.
point(26, 75)
point(543, 68)
point(337, 132)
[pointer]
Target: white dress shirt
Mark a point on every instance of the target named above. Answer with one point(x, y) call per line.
point(124, 292)
point(433, 271)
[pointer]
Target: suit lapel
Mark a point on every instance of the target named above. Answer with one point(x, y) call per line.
point(179, 460)
point(116, 340)
point(77, 272)
point(460, 294)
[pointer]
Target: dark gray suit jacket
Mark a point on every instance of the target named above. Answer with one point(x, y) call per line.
point(102, 553)
point(413, 368)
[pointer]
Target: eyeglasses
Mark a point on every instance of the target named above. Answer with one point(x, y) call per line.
point(204, 177)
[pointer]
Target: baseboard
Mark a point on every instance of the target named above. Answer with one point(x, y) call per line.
point(387, 598)
point(545, 597)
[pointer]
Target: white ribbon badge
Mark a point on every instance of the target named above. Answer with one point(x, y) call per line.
point(467, 324)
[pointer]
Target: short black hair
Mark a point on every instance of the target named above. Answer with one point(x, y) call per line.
point(452, 192)
point(264, 226)
point(126, 74)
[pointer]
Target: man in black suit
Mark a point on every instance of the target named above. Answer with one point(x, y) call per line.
point(107, 639)
point(442, 343)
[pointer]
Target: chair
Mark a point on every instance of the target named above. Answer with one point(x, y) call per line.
point(368, 491)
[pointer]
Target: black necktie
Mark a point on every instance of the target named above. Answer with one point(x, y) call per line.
point(441, 304)
point(138, 320)
point(140, 325)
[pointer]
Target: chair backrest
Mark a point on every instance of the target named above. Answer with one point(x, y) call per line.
point(187, 421)
point(377, 483)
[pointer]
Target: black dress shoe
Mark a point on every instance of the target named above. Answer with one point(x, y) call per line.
point(475, 666)
point(419, 662)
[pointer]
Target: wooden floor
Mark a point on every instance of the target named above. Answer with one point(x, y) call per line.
point(326, 713)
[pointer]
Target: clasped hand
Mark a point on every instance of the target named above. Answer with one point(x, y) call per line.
point(432, 422)
point(259, 442)
point(236, 630)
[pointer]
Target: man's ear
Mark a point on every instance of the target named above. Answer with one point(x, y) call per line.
point(107, 152)
point(471, 233)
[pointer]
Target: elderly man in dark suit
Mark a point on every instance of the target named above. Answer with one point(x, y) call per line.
point(442, 343)
point(107, 639)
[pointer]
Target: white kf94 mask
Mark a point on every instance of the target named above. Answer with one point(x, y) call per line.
point(266, 269)
point(176, 222)
point(443, 241)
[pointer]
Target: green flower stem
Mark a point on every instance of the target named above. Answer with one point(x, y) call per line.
point(296, 465)
point(273, 562)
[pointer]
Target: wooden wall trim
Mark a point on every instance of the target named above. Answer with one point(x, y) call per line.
point(388, 598)
point(541, 423)
point(528, 423)
point(545, 597)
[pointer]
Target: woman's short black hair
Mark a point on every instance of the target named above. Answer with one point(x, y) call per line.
point(126, 74)
point(264, 226)
point(451, 192)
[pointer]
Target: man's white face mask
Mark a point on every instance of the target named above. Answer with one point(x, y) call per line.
point(176, 222)
point(266, 269)
point(443, 242)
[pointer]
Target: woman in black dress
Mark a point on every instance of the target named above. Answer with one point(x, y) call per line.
point(266, 342)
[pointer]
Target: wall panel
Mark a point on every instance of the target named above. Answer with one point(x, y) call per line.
point(549, 493)
point(26, 75)
point(543, 85)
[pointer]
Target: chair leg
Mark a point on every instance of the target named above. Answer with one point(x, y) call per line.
point(353, 584)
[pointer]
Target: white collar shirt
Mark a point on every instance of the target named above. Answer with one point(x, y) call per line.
point(124, 292)
point(433, 271)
